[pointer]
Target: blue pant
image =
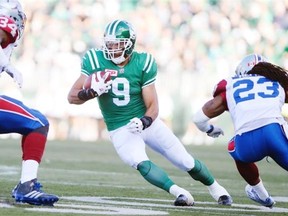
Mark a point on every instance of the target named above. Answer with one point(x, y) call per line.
point(253, 146)
point(15, 117)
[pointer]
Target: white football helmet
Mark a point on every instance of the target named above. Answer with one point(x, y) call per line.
point(13, 9)
point(248, 62)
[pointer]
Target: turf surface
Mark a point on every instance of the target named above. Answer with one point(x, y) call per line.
point(90, 179)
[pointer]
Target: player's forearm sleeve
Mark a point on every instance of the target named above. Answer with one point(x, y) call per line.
point(201, 121)
point(86, 94)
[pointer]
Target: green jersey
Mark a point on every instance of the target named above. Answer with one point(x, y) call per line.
point(124, 100)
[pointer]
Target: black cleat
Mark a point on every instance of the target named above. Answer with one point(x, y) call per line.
point(225, 200)
point(182, 200)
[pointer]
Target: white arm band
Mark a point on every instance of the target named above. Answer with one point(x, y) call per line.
point(201, 121)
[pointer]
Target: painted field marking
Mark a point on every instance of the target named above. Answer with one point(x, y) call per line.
point(101, 210)
point(132, 206)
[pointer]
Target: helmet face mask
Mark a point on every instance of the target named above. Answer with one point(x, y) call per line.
point(119, 41)
point(13, 9)
point(248, 62)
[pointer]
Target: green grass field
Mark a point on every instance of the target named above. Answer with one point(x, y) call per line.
point(90, 179)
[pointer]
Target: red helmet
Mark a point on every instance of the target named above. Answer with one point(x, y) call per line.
point(13, 9)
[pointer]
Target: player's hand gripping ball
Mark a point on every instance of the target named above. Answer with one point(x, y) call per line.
point(97, 76)
point(99, 81)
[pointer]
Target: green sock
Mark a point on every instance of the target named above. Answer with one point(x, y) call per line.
point(155, 175)
point(201, 173)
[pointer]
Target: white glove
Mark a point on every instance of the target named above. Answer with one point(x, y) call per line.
point(135, 125)
point(15, 74)
point(215, 132)
point(101, 86)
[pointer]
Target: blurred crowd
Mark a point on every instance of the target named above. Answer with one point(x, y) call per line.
point(195, 42)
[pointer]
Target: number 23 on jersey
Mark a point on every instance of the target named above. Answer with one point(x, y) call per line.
point(249, 89)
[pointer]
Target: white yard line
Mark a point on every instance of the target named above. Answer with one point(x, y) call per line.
point(137, 206)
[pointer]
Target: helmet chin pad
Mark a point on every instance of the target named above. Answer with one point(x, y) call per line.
point(118, 60)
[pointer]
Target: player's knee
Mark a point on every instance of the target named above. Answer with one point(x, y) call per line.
point(144, 167)
point(187, 163)
point(197, 167)
point(42, 130)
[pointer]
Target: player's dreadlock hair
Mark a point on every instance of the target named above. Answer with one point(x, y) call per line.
point(272, 72)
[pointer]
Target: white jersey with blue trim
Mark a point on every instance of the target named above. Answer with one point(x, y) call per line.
point(254, 101)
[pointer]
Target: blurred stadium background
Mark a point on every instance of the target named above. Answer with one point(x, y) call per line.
point(195, 42)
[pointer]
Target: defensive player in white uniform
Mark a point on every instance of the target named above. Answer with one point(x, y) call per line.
point(254, 98)
point(130, 109)
point(15, 117)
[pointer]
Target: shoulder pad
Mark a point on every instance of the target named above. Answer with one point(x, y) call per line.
point(220, 88)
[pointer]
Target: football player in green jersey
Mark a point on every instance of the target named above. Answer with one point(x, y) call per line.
point(129, 105)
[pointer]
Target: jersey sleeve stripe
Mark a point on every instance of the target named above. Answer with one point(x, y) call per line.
point(85, 72)
point(148, 59)
point(91, 60)
point(149, 82)
point(95, 58)
point(150, 65)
